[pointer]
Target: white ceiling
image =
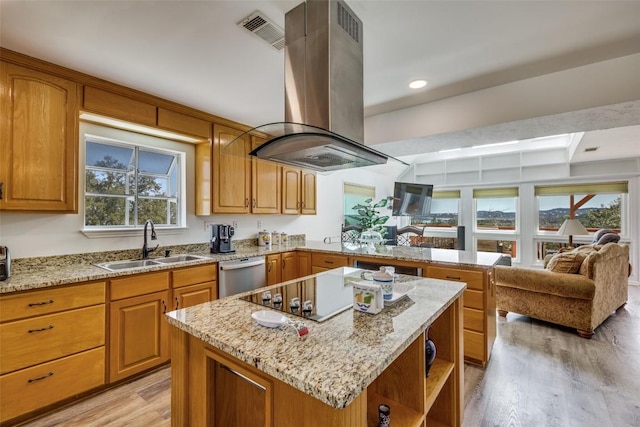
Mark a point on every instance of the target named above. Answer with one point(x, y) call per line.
point(192, 52)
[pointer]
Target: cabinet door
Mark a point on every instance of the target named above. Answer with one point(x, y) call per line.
point(139, 334)
point(39, 141)
point(265, 184)
point(187, 296)
point(273, 269)
point(231, 171)
point(304, 263)
point(308, 193)
point(289, 266)
point(290, 190)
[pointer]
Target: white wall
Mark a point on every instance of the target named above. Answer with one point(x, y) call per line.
point(30, 235)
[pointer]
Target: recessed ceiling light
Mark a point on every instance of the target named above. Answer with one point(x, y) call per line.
point(417, 84)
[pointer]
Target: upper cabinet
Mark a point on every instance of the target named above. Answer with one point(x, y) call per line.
point(298, 191)
point(117, 106)
point(178, 122)
point(265, 184)
point(231, 171)
point(39, 141)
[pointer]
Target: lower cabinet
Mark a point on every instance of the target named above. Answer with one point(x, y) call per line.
point(282, 267)
point(53, 346)
point(139, 334)
point(194, 285)
point(322, 262)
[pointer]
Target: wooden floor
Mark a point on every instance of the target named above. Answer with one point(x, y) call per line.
point(539, 375)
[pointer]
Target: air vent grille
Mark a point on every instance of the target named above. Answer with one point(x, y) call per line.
point(261, 26)
point(348, 23)
point(590, 149)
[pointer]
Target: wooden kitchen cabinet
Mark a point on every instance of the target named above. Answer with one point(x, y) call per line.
point(281, 267)
point(51, 339)
point(322, 261)
point(231, 179)
point(298, 191)
point(479, 312)
point(118, 106)
point(39, 141)
point(304, 263)
point(266, 184)
point(183, 123)
point(194, 285)
point(139, 337)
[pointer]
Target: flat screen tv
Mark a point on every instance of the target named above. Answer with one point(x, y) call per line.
point(411, 199)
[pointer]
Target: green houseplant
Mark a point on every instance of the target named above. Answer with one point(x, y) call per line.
point(369, 215)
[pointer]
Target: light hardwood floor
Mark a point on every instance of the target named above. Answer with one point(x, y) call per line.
point(539, 375)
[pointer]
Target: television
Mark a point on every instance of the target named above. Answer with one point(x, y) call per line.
point(410, 199)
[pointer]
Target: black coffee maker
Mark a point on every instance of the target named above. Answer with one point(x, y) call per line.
point(220, 241)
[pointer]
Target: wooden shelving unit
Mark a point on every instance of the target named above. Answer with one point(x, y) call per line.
point(413, 398)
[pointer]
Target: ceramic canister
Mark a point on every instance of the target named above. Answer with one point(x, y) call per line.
point(264, 238)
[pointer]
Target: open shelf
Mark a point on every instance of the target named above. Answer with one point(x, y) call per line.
point(401, 415)
point(438, 376)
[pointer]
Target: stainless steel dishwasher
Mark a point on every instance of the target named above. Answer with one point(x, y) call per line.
point(241, 275)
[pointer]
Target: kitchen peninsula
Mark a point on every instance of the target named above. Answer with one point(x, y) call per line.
point(336, 375)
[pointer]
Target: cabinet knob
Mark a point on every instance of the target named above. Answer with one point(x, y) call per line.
point(177, 303)
point(254, 203)
point(246, 202)
point(164, 305)
point(32, 380)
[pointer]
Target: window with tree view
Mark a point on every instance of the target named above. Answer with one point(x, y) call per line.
point(127, 184)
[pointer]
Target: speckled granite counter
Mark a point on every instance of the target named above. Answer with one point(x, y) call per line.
point(35, 273)
point(339, 358)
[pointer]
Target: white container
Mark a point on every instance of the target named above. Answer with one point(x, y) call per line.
point(275, 238)
point(284, 238)
point(367, 297)
point(264, 238)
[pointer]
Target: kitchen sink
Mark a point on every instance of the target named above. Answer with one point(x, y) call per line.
point(125, 265)
point(139, 263)
point(178, 258)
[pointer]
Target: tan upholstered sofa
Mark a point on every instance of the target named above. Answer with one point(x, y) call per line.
point(582, 299)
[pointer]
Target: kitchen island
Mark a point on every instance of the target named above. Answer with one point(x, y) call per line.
point(228, 370)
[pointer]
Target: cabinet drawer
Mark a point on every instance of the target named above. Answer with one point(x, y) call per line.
point(474, 345)
point(473, 279)
point(31, 341)
point(193, 275)
point(473, 319)
point(29, 389)
point(139, 285)
point(118, 106)
point(474, 299)
point(183, 123)
point(35, 303)
point(328, 261)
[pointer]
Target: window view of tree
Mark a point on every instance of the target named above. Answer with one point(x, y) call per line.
point(599, 211)
point(354, 195)
point(126, 185)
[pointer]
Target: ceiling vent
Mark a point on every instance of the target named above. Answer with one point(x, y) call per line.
point(590, 149)
point(261, 26)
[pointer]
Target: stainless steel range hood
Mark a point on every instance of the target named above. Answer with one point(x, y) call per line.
point(324, 111)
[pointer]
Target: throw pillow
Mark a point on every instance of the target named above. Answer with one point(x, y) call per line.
point(601, 232)
point(609, 238)
point(567, 262)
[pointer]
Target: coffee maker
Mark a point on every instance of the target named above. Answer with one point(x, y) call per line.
point(220, 241)
point(5, 263)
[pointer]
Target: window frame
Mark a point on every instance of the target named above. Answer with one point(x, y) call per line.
point(179, 162)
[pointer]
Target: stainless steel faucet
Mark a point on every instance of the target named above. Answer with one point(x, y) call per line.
point(145, 250)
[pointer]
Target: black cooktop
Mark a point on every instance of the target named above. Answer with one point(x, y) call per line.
point(318, 297)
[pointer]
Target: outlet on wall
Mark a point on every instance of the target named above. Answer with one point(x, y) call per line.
point(235, 224)
point(259, 225)
point(207, 224)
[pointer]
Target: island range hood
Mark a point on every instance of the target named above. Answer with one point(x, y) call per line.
point(324, 110)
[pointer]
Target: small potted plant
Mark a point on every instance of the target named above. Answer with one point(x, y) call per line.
point(371, 221)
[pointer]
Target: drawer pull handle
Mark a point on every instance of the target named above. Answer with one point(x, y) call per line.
point(35, 304)
point(454, 277)
point(328, 262)
point(46, 328)
point(44, 377)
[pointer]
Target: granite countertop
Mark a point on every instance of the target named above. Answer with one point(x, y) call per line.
point(339, 357)
point(36, 273)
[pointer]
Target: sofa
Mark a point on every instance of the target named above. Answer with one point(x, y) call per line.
point(579, 288)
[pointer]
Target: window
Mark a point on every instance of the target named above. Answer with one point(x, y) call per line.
point(444, 212)
point(355, 194)
point(496, 209)
point(126, 184)
point(595, 205)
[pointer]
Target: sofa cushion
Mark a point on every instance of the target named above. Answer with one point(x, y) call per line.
point(608, 238)
point(545, 281)
point(566, 262)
